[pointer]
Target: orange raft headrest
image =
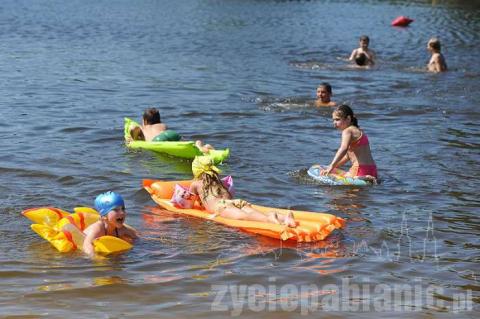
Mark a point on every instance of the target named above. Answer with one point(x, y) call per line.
point(163, 189)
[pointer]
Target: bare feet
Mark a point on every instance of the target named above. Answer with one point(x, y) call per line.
point(274, 218)
point(289, 220)
point(369, 178)
point(205, 149)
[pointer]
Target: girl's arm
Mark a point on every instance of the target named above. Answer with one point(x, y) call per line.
point(341, 153)
point(343, 161)
point(194, 190)
point(92, 234)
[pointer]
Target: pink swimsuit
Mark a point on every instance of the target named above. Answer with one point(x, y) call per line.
point(362, 170)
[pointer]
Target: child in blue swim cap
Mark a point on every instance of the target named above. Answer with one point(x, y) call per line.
point(111, 207)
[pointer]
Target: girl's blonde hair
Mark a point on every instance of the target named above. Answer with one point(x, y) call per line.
point(212, 185)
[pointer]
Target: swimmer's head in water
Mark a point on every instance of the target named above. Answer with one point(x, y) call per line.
point(324, 91)
point(327, 87)
point(106, 202)
point(364, 41)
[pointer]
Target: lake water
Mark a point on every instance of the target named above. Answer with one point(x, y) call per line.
point(242, 74)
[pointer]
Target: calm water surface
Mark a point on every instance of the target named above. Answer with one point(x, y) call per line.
point(240, 74)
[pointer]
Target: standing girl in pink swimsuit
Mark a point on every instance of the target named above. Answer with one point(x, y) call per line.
point(354, 147)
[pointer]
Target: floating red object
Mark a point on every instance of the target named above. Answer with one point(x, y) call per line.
point(401, 21)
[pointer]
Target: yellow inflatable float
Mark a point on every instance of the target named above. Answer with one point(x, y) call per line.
point(311, 227)
point(65, 230)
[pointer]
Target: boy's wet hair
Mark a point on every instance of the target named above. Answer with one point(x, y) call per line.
point(151, 116)
point(361, 59)
point(365, 38)
point(327, 86)
point(434, 43)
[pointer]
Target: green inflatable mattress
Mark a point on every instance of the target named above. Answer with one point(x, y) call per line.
point(183, 149)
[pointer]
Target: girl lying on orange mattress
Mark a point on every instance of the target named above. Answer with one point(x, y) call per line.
point(354, 147)
point(217, 200)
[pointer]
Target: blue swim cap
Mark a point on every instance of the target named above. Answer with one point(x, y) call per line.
point(107, 201)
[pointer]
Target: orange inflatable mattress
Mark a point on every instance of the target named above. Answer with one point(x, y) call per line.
point(311, 226)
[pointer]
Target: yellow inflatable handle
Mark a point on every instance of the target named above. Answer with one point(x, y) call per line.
point(106, 245)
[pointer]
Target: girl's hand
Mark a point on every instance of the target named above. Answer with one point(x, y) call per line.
point(327, 170)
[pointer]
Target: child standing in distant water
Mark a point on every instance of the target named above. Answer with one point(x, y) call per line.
point(324, 93)
point(437, 61)
point(363, 56)
point(354, 147)
point(111, 208)
point(217, 200)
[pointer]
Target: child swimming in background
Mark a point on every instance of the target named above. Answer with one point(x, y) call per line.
point(324, 93)
point(111, 208)
point(437, 61)
point(354, 147)
point(363, 56)
point(217, 200)
point(153, 129)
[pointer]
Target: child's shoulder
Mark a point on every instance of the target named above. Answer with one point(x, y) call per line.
point(156, 125)
point(352, 131)
point(196, 184)
point(96, 224)
point(94, 229)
